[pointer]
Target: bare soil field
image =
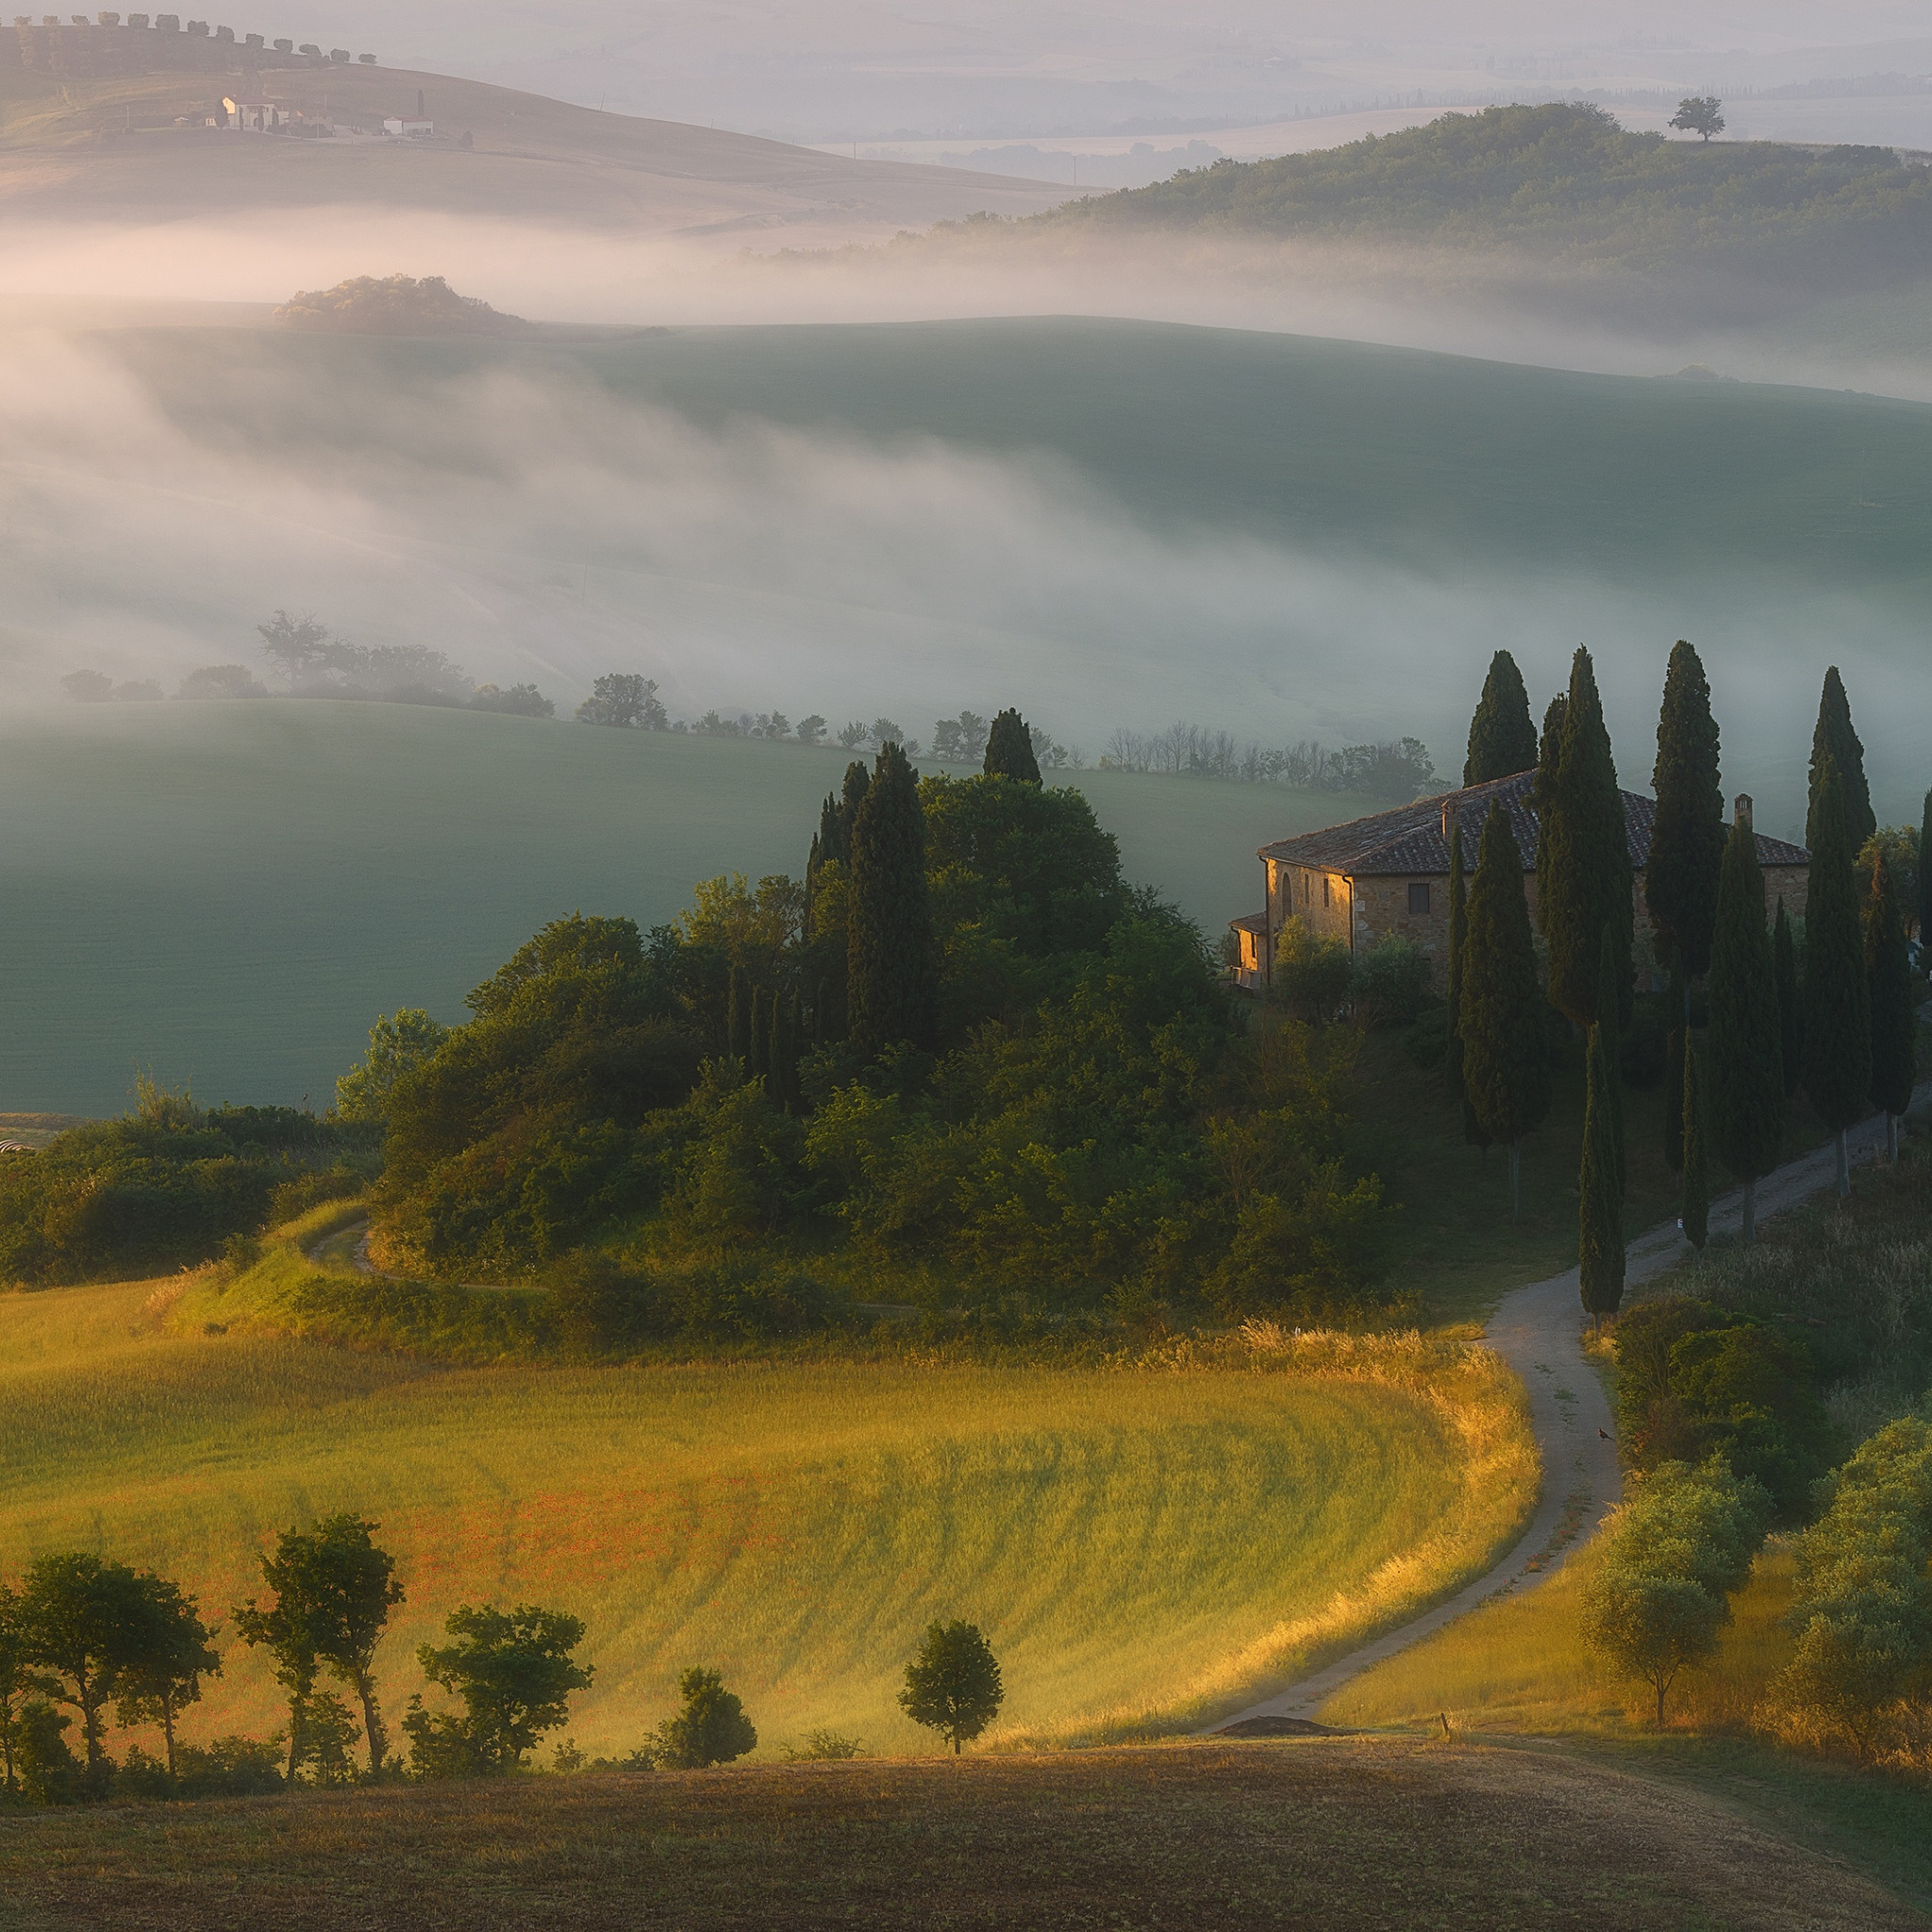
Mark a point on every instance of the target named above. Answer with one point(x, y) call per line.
point(1338, 1833)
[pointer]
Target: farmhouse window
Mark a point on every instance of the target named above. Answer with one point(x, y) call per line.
point(1326, 896)
point(1419, 898)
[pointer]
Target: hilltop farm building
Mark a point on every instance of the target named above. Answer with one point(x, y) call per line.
point(1388, 877)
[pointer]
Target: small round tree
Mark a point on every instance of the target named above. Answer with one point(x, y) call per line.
point(711, 1728)
point(953, 1686)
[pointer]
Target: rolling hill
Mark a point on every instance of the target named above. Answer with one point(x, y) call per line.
point(112, 149)
point(232, 892)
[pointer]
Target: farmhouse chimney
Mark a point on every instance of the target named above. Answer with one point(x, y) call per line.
point(1740, 811)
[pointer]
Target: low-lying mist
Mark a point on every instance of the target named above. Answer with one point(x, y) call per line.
point(1512, 307)
point(534, 527)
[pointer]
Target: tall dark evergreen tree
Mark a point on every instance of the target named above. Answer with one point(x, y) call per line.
point(1610, 1042)
point(832, 842)
point(1600, 1258)
point(1838, 995)
point(1745, 1071)
point(1542, 793)
point(1923, 911)
point(1687, 844)
point(1502, 735)
point(781, 1053)
point(1458, 941)
point(759, 1035)
point(1676, 1053)
point(1505, 1061)
point(1791, 1003)
point(890, 965)
point(1696, 1137)
point(1584, 863)
point(1894, 1021)
point(1009, 750)
point(1836, 741)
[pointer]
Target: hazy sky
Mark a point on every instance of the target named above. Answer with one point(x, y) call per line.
point(839, 68)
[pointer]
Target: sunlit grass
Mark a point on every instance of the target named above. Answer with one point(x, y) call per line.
point(1145, 1546)
point(1519, 1665)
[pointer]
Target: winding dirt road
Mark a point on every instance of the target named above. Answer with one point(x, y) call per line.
point(1538, 1331)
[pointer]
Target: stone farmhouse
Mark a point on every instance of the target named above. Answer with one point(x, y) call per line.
point(1388, 877)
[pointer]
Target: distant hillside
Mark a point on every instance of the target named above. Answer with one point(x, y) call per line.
point(1565, 183)
point(139, 146)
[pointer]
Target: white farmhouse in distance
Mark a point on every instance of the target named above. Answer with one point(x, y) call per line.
point(410, 124)
point(258, 117)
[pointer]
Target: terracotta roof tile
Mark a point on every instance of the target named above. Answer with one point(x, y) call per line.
point(1413, 839)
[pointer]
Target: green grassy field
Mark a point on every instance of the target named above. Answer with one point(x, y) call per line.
point(230, 893)
point(1359, 1835)
point(1145, 1547)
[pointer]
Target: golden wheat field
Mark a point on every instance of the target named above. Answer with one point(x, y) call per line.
point(1145, 1546)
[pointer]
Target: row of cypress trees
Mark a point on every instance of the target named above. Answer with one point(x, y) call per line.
point(1846, 1034)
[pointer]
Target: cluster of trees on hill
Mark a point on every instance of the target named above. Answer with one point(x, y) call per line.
point(961, 1057)
point(1564, 179)
point(101, 1640)
point(1394, 769)
point(168, 1186)
point(394, 306)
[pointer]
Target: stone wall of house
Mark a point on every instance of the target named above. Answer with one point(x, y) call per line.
point(1790, 883)
point(1306, 893)
point(1381, 911)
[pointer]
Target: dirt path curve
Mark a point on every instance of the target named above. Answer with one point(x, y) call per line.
point(1538, 1331)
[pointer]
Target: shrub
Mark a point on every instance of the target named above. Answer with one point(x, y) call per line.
point(824, 1748)
point(49, 1773)
point(1390, 983)
point(1312, 972)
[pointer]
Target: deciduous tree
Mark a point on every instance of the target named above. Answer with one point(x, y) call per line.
point(17, 1680)
point(398, 1045)
point(514, 1672)
point(711, 1728)
point(1501, 734)
point(1678, 1551)
point(84, 1621)
point(175, 1651)
point(953, 1686)
point(1698, 114)
point(1583, 865)
point(1837, 993)
point(1506, 1061)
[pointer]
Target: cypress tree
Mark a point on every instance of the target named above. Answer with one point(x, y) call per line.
point(1009, 750)
point(1676, 1055)
point(1502, 735)
point(1459, 941)
point(1744, 1074)
point(1600, 1194)
point(1687, 844)
point(1894, 1023)
point(1696, 1136)
point(1583, 858)
point(1459, 948)
point(781, 1052)
point(1834, 741)
point(1923, 908)
point(1790, 1005)
point(890, 975)
point(1542, 792)
point(1838, 997)
point(1505, 1061)
point(1609, 1040)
